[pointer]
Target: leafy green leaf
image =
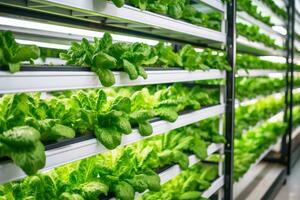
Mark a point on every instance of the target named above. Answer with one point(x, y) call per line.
point(124, 191)
point(109, 137)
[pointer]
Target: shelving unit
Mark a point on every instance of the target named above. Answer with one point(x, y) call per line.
point(105, 16)
point(128, 21)
point(278, 21)
point(126, 18)
point(258, 182)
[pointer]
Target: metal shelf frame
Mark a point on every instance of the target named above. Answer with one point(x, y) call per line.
point(258, 72)
point(73, 152)
point(103, 15)
point(106, 14)
point(286, 145)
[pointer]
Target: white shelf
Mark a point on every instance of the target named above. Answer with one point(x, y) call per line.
point(214, 188)
point(258, 181)
point(258, 160)
point(257, 48)
point(106, 13)
point(259, 72)
point(80, 150)
point(245, 16)
point(63, 80)
point(175, 170)
point(217, 4)
point(275, 19)
point(295, 133)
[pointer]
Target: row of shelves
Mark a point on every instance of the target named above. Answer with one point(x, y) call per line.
point(129, 17)
point(87, 146)
point(90, 146)
point(131, 20)
point(175, 170)
point(272, 147)
point(108, 15)
point(258, 160)
point(30, 81)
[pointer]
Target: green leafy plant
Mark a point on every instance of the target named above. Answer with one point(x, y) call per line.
point(246, 61)
point(276, 9)
point(252, 144)
point(251, 9)
point(187, 185)
point(12, 53)
point(106, 114)
point(177, 9)
point(247, 88)
point(103, 56)
point(122, 172)
point(250, 115)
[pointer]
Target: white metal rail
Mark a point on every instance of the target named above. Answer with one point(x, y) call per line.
point(259, 72)
point(65, 80)
point(31, 81)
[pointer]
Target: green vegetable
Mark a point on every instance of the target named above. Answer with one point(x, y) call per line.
point(109, 137)
point(124, 191)
point(276, 9)
point(253, 143)
point(251, 9)
point(12, 53)
point(92, 190)
point(23, 146)
point(67, 196)
point(119, 3)
point(178, 9)
point(190, 195)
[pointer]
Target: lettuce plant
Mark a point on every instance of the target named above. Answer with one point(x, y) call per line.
point(12, 53)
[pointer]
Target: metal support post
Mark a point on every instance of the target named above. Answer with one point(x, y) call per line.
point(291, 85)
point(229, 100)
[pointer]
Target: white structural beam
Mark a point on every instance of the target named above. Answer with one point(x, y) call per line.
point(31, 81)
